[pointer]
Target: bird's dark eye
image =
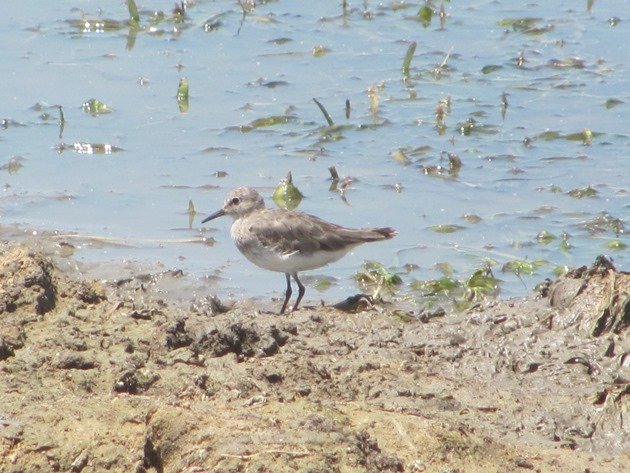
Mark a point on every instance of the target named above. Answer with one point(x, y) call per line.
point(235, 201)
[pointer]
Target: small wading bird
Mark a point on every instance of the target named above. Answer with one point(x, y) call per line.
point(288, 241)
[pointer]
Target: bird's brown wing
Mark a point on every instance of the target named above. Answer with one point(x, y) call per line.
point(290, 232)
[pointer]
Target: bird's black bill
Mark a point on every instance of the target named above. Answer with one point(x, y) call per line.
point(220, 213)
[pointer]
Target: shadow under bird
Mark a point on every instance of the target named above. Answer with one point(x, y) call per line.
point(288, 241)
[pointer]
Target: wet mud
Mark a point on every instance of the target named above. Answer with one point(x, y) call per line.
point(114, 376)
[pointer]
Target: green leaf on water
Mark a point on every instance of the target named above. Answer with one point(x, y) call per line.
point(544, 237)
point(266, 122)
point(610, 103)
point(376, 276)
point(518, 24)
point(425, 14)
point(567, 63)
point(585, 136)
point(565, 246)
point(322, 284)
point(616, 245)
point(582, 192)
point(443, 285)
point(490, 68)
point(446, 228)
point(482, 282)
point(400, 156)
point(519, 267)
point(286, 195)
point(95, 107)
point(548, 135)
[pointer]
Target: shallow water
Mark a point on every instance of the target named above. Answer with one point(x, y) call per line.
point(559, 74)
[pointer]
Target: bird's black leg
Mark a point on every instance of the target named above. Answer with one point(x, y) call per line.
point(287, 294)
point(301, 291)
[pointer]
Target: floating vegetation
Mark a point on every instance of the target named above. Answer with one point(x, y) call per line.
point(266, 122)
point(213, 23)
point(452, 170)
point(13, 165)
point(319, 51)
point(567, 63)
point(482, 282)
point(444, 286)
point(400, 156)
point(88, 148)
point(490, 69)
point(286, 195)
point(435, 294)
point(472, 218)
point(95, 107)
point(425, 14)
point(585, 136)
point(611, 103)
point(98, 26)
point(582, 192)
point(446, 228)
point(272, 84)
point(182, 95)
point(545, 237)
point(525, 25)
point(470, 125)
point(604, 223)
point(279, 41)
point(147, 22)
point(520, 267)
point(565, 246)
point(377, 278)
point(616, 245)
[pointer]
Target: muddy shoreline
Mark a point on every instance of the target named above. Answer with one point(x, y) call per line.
point(117, 377)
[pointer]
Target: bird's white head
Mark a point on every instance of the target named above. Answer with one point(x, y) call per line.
point(239, 203)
